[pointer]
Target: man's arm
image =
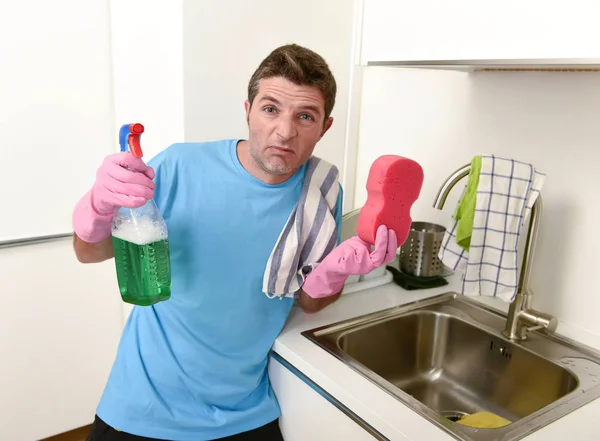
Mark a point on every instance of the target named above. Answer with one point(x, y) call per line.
point(307, 303)
point(311, 305)
point(93, 252)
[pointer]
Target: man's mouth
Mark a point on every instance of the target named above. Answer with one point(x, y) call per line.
point(280, 150)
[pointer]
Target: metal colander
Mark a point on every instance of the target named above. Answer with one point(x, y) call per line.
point(419, 254)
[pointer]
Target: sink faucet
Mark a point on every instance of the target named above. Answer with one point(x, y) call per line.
point(521, 317)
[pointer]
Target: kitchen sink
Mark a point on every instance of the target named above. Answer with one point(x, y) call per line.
point(446, 357)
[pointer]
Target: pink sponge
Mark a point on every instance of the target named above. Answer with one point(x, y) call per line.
point(393, 185)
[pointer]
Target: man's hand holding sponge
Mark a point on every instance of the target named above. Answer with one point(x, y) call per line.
point(393, 185)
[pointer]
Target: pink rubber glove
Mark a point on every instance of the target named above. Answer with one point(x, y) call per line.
point(115, 187)
point(353, 256)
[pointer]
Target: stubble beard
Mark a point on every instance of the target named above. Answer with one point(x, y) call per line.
point(277, 170)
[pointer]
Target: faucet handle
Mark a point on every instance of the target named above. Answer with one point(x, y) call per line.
point(539, 320)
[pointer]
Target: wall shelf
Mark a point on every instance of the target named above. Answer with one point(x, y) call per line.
point(502, 65)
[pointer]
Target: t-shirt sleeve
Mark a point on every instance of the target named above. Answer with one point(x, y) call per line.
point(164, 170)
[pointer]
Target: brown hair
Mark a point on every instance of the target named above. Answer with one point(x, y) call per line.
point(299, 65)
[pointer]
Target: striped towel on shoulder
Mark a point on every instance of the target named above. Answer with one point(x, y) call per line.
point(506, 193)
point(309, 234)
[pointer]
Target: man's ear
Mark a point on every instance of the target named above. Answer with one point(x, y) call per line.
point(247, 108)
point(326, 126)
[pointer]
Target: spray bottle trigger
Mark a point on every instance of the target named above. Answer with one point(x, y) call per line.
point(129, 138)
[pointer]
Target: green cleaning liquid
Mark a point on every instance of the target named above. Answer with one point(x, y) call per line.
point(142, 259)
point(143, 271)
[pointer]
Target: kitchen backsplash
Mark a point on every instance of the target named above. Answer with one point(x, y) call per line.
point(550, 119)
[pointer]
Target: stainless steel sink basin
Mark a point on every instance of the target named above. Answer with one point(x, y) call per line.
point(446, 357)
point(448, 364)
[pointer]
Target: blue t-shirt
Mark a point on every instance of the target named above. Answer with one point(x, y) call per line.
point(194, 367)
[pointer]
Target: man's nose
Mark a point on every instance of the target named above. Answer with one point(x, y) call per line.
point(286, 128)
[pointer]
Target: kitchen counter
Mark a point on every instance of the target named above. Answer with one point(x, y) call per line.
point(392, 418)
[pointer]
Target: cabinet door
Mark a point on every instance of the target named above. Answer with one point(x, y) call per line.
point(60, 324)
point(307, 415)
point(474, 29)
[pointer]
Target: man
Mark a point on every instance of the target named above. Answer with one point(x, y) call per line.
point(194, 367)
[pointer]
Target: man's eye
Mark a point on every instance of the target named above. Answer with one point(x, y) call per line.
point(269, 109)
point(306, 117)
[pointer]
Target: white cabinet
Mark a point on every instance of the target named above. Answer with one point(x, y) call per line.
point(60, 324)
point(307, 415)
point(473, 29)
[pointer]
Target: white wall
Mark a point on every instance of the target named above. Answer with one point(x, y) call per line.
point(443, 119)
point(147, 61)
point(224, 45)
point(182, 68)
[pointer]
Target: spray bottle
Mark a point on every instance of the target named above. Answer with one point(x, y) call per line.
point(140, 241)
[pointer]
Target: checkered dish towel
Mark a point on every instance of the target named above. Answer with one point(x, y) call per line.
point(506, 193)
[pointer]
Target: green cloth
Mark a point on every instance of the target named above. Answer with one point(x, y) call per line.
point(465, 212)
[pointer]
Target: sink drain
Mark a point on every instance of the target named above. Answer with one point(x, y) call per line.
point(453, 415)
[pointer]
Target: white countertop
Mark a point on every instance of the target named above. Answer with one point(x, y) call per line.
point(391, 417)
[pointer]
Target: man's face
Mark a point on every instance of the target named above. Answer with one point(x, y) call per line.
point(285, 123)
